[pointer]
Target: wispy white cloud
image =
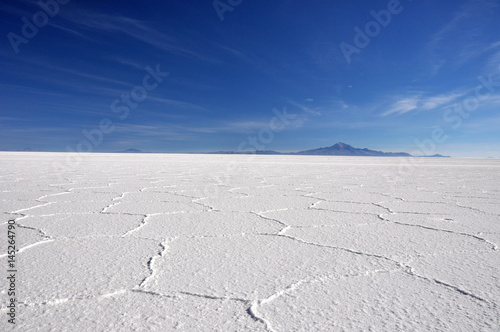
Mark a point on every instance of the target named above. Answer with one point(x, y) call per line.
point(94, 77)
point(421, 103)
point(16, 10)
point(462, 39)
point(452, 44)
point(304, 108)
point(136, 29)
point(492, 65)
point(185, 132)
point(68, 30)
point(241, 126)
point(11, 118)
point(45, 71)
point(177, 103)
point(491, 102)
point(433, 102)
point(403, 106)
point(243, 56)
point(245, 127)
point(9, 134)
point(128, 62)
point(157, 132)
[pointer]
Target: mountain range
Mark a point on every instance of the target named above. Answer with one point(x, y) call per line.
point(338, 149)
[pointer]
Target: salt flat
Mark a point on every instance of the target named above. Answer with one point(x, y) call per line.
point(169, 242)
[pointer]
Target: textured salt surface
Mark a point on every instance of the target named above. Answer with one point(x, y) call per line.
point(252, 243)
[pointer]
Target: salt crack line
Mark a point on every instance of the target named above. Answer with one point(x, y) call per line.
point(68, 191)
point(493, 245)
point(151, 263)
point(270, 219)
point(210, 208)
point(410, 271)
point(313, 205)
point(215, 297)
point(253, 310)
point(254, 313)
point(461, 291)
point(118, 292)
point(33, 207)
point(384, 207)
point(45, 303)
point(345, 211)
point(35, 244)
point(55, 302)
point(302, 189)
point(196, 200)
point(148, 292)
point(284, 230)
point(39, 230)
point(42, 233)
point(183, 195)
point(473, 209)
point(390, 196)
point(290, 288)
point(144, 221)
point(158, 181)
point(275, 210)
point(122, 195)
point(110, 206)
point(97, 187)
point(352, 251)
point(30, 246)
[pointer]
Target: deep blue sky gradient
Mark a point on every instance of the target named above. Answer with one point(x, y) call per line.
point(226, 77)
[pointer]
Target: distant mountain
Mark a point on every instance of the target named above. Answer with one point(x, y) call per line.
point(27, 149)
point(270, 152)
point(339, 149)
point(435, 156)
point(342, 149)
point(131, 151)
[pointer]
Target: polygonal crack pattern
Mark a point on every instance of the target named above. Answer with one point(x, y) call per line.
point(252, 243)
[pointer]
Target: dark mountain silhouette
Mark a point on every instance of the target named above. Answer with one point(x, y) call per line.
point(436, 156)
point(339, 149)
point(342, 149)
point(131, 151)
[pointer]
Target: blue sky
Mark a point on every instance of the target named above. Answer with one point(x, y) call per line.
point(414, 76)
